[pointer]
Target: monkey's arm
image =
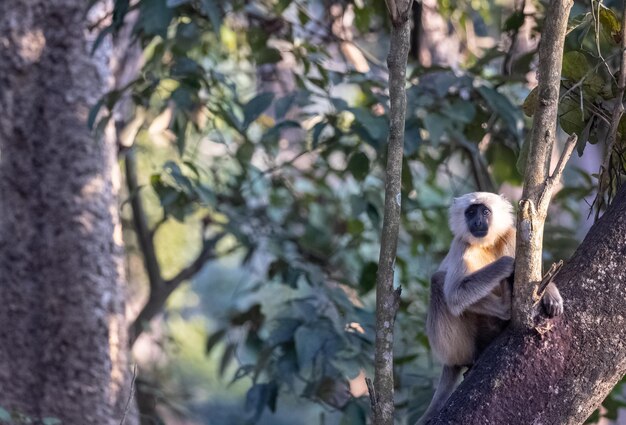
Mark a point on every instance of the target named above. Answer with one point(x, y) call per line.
point(494, 305)
point(462, 291)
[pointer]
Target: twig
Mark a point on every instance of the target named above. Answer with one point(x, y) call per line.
point(207, 253)
point(553, 179)
point(555, 268)
point(130, 395)
point(570, 144)
point(372, 393)
point(508, 58)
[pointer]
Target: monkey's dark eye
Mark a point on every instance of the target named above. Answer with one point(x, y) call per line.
point(486, 213)
point(470, 212)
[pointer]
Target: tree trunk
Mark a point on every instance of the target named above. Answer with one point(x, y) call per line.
point(561, 370)
point(63, 345)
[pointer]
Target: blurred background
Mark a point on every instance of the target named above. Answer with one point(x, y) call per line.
point(252, 138)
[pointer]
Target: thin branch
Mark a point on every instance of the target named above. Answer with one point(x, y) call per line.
point(570, 144)
point(480, 169)
point(157, 226)
point(130, 395)
point(618, 111)
point(508, 58)
point(207, 253)
point(388, 298)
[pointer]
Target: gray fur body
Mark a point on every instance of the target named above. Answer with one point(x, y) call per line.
point(470, 302)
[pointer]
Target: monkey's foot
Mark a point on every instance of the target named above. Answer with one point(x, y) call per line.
point(552, 303)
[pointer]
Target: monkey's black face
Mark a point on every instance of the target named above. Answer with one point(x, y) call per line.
point(478, 218)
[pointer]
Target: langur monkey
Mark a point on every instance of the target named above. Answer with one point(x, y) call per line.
point(470, 299)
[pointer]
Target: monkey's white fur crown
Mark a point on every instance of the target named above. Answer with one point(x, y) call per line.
point(501, 217)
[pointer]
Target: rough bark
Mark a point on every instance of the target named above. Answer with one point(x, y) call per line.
point(561, 370)
point(538, 184)
point(63, 344)
point(387, 299)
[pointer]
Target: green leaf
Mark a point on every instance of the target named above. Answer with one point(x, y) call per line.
point(530, 103)
point(461, 111)
point(359, 165)
point(227, 357)
point(503, 107)
point(437, 125)
point(154, 17)
point(353, 414)
point(309, 341)
point(501, 158)
point(259, 396)
point(213, 11)
point(317, 132)
point(284, 104)
point(610, 24)
point(362, 18)
point(367, 281)
point(255, 107)
point(571, 118)
point(267, 55)
point(176, 3)
point(575, 65)
point(213, 340)
point(373, 129)
point(283, 331)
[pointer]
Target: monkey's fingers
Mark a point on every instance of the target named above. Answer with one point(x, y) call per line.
point(552, 305)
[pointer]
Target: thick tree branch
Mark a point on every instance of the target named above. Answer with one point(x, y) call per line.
point(158, 295)
point(558, 372)
point(160, 289)
point(538, 185)
point(387, 299)
point(144, 235)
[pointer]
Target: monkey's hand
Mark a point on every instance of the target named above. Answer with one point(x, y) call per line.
point(552, 301)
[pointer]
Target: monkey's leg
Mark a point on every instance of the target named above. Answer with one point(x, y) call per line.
point(449, 376)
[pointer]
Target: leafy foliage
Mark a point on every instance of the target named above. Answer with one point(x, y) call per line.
point(292, 173)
